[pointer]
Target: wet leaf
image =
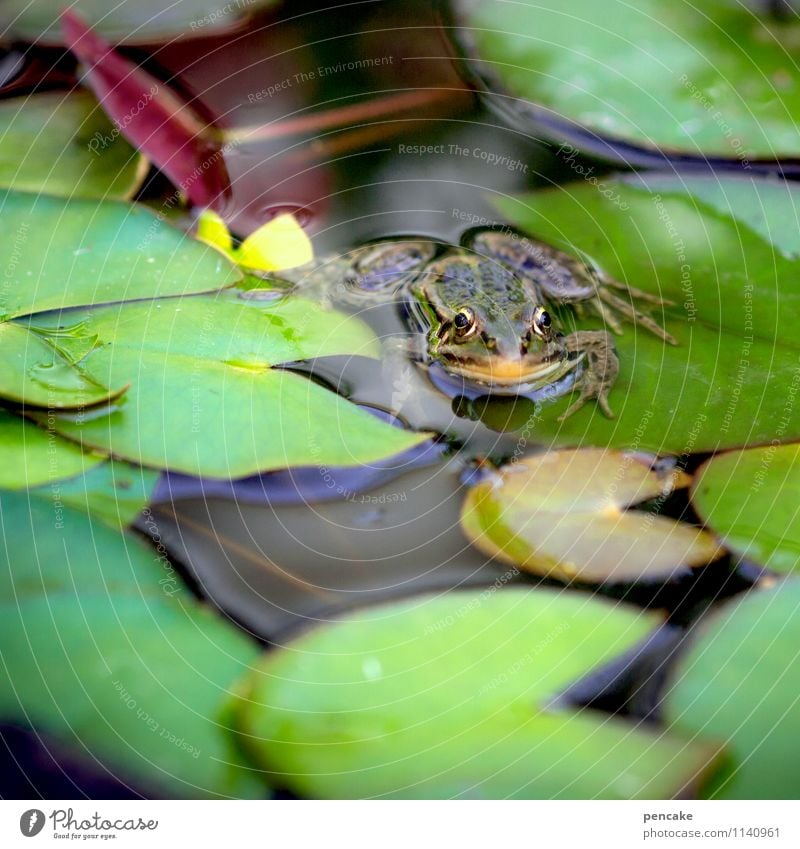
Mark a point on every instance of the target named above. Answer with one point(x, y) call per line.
point(66, 253)
point(31, 456)
point(33, 373)
point(129, 21)
point(109, 654)
point(751, 500)
point(204, 398)
point(153, 118)
point(444, 697)
point(723, 251)
point(63, 144)
point(561, 514)
point(738, 684)
point(710, 79)
point(115, 492)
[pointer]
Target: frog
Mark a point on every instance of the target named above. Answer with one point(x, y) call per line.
point(488, 309)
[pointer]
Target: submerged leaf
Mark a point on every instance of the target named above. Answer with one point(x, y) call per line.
point(751, 499)
point(559, 514)
point(444, 697)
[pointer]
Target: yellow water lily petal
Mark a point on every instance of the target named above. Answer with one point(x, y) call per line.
point(280, 243)
point(212, 230)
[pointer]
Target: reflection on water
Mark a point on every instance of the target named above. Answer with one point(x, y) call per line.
point(278, 566)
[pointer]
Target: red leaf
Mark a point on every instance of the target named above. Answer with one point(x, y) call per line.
point(151, 117)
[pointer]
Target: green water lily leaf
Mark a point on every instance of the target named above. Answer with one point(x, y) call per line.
point(32, 456)
point(33, 373)
point(63, 144)
point(444, 697)
point(204, 398)
point(104, 649)
point(738, 684)
point(45, 539)
point(127, 21)
point(60, 253)
point(115, 492)
point(728, 260)
point(561, 514)
point(710, 79)
point(750, 499)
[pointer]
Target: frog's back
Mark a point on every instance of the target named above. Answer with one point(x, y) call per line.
point(463, 279)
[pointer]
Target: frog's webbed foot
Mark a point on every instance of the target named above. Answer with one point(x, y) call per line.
point(607, 303)
point(600, 370)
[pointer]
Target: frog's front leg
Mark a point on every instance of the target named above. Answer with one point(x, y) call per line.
point(600, 368)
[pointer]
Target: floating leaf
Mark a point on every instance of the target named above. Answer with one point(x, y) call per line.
point(34, 373)
point(738, 683)
point(445, 697)
point(204, 366)
point(31, 456)
point(129, 21)
point(561, 514)
point(63, 144)
point(115, 492)
point(66, 253)
point(752, 500)
point(731, 274)
point(682, 77)
point(152, 117)
point(104, 656)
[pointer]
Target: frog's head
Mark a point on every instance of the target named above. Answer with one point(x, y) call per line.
point(485, 325)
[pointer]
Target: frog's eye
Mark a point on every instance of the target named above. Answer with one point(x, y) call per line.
point(542, 321)
point(464, 322)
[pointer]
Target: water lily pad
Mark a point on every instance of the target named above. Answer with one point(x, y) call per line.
point(129, 21)
point(100, 650)
point(710, 79)
point(738, 683)
point(562, 514)
point(115, 492)
point(63, 144)
point(204, 398)
point(45, 539)
point(66, 253)
point(31, 456)
point(445, 697)
point(728, 259)
point(750, 498)
point(33, 373)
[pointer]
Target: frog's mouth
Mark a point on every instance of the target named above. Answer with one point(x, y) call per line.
point(505, 373)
